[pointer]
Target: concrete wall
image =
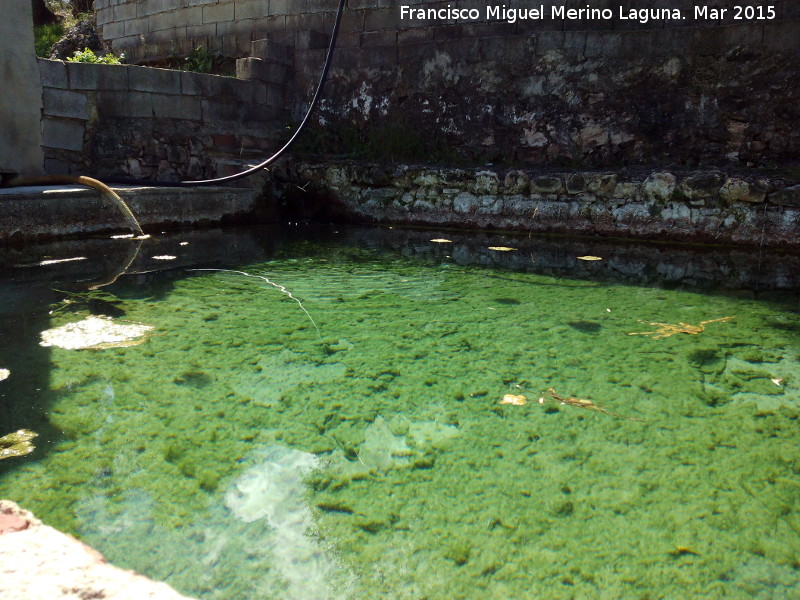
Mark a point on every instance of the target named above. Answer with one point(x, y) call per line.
point(21, 96)
point(150, 123)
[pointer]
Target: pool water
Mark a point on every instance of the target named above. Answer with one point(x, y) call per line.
point(337, 430)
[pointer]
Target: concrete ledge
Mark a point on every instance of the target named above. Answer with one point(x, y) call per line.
point(48, 212)
point(38, 562)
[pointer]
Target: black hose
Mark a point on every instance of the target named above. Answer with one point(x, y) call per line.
point(279, 153)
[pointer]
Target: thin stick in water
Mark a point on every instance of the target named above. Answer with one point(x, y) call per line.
point(277, 286)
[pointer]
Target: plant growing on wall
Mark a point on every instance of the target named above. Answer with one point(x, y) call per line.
point(87, 56)
point(202, 60)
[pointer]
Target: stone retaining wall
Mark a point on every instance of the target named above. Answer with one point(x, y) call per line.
point(711, 206)
point(569, 93)
point(153, 29)
point(149, 123)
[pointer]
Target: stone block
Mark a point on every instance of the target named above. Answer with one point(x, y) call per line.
point(574, 42)
point(260, 70)
point(123, 12)
point(221, 110)
point(150, 7)
point(658, 187)
point(414, 35)
point(252, 9)
point(217, 13)
point(253, 92)
point(148, 79)
point(379, 38)
point(276, 95)
point(549, 41)
point(352, 21)
point(136, 27)
point(576, 183)
point(465, 203)
point(782, 37)
point(378, 19)
point(311, 39)
point(738, 190)
point(113, 30)
point(271, 50)
point(124, 104)
point(209, 86)
point(66, 134)
point(379, 57)
point(65, 103)
point(789, 196)
point(200, 32)
point(602, 185)
point(53, 73)
point(82, 76)
point(701, 185)
point(176, 107)
point(546, 184)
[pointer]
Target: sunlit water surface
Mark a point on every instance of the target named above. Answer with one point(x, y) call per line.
point(342, 436)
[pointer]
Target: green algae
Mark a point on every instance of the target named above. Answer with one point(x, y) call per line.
point(238, 454)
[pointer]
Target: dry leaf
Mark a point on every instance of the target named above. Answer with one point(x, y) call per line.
point(442, 241)
point(502, 248)
point(514, 399)
point(777, 381)
point(589, 258)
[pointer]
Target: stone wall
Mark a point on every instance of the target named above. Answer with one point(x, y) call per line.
point(564, 93)
point(139, 122)
point(709, 206)
point(21, 98)
point(153, 29)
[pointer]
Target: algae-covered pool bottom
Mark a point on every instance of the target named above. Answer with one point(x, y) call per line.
point(370, 414)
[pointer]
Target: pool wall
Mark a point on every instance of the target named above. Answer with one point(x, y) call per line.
point(707, 206)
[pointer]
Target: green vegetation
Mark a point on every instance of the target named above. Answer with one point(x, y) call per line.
point(202, 60)
point(87, 56)
point(45, 36)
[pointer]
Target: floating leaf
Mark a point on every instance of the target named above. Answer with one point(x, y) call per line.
point(502, 248)
point(165, 257)
point(16, 444)
point(514, 399)
point(667, 329)
point(589, 258)
point(4, 373)
point(441, 241)
point(95, 332)
point(777, 381)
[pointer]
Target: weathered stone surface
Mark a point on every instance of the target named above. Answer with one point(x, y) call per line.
point(84, 211)
point(789, 196)
point(646, 205)
point(38, 562)
point(465, 203)
point(576, 183)
point(739, 190)
point(546, 185)
point(77, 38)
point(659, 187)
point(701, 185)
